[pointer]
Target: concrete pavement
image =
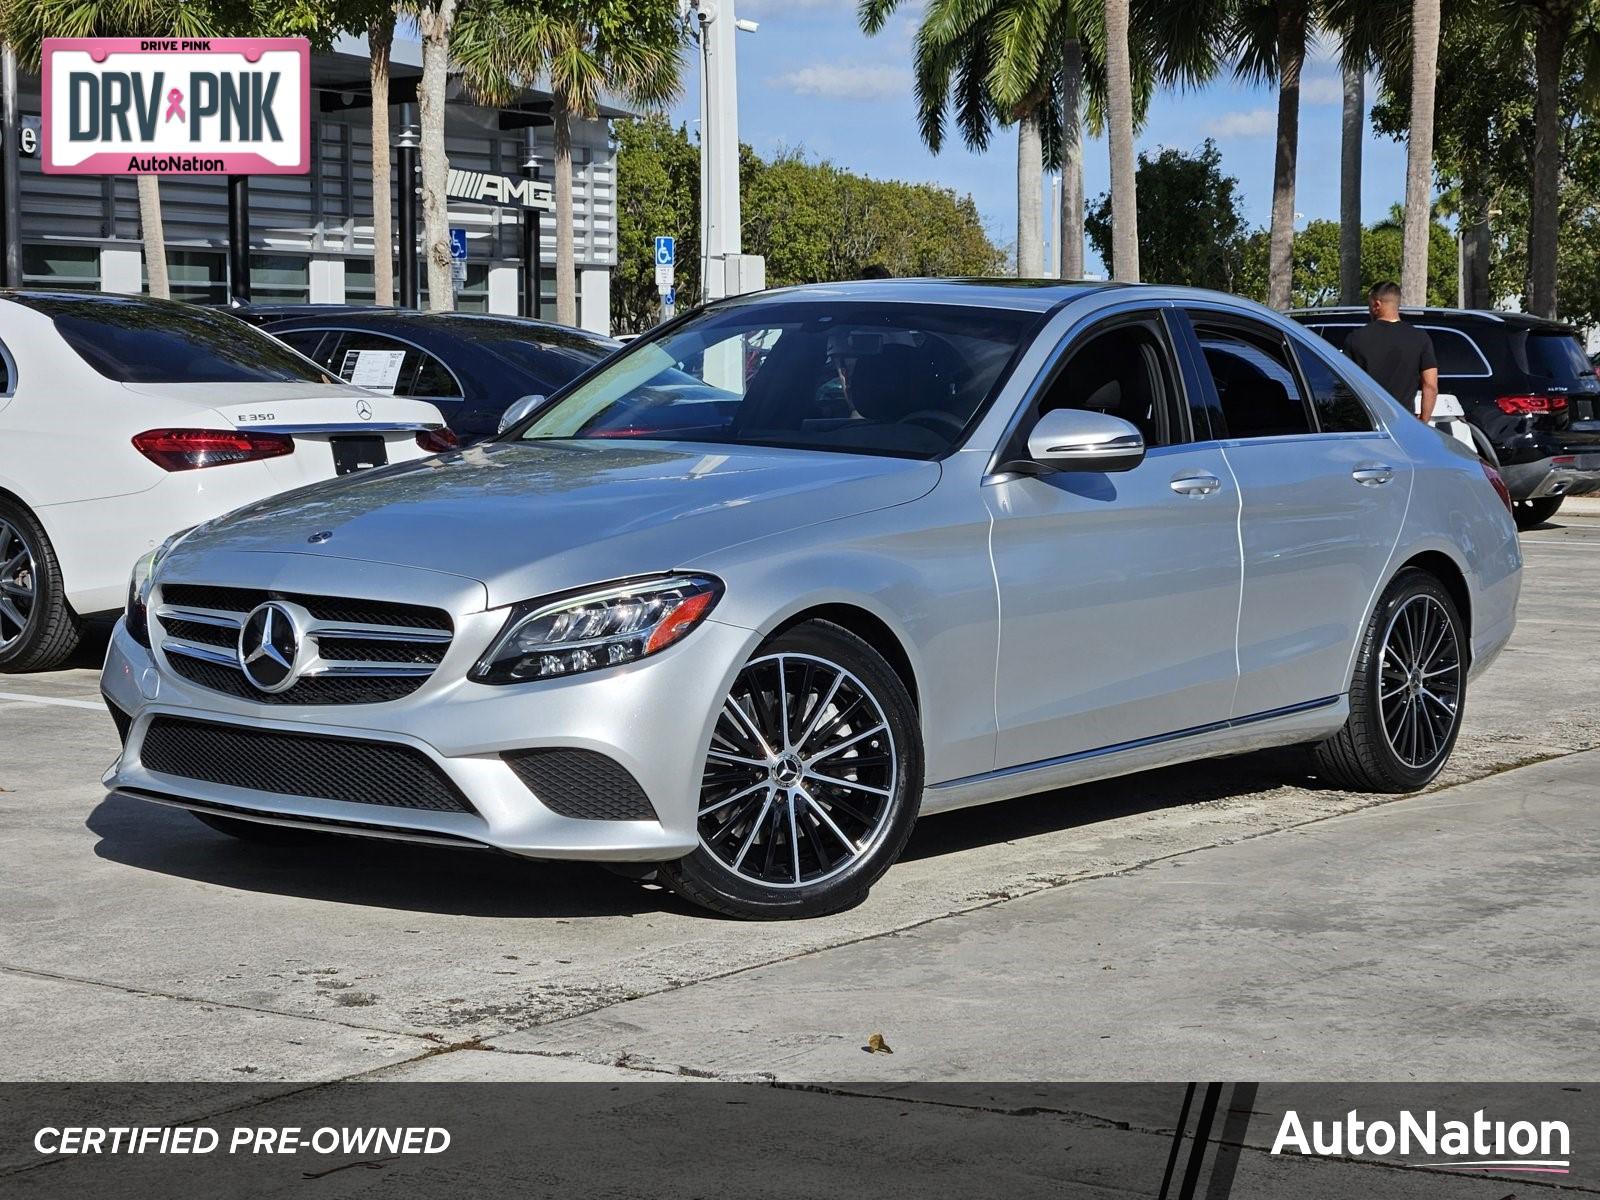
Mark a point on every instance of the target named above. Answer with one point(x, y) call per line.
point(140, 944)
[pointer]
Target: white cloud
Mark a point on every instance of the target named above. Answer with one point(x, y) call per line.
point(845, 81)
point(1257, 122)
point(1322, 89)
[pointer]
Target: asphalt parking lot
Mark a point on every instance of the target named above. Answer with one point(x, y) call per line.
point(1227, 919)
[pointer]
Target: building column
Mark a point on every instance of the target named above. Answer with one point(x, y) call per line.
point(327, 280)
point(505, 288)
point(594, 304)
point(122, 269)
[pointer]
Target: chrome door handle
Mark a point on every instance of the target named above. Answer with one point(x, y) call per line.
point(1196, 485)
point(1373, 476)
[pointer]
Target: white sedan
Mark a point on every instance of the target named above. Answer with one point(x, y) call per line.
point(124, 420)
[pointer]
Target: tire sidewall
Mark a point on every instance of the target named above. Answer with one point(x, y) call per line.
point(1407, 586)
point(701, 872)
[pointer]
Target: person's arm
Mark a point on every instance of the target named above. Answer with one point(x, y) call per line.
point(1429, 379)
point(1430, 393)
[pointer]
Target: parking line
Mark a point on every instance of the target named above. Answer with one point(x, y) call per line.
point(23, 698)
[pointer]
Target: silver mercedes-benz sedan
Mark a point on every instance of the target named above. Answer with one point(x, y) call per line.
point(744, 601)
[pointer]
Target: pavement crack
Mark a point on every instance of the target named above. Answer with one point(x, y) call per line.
point(182, 998)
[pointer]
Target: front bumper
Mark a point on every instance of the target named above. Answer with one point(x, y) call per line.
point(653, 718)
point(1561, 474)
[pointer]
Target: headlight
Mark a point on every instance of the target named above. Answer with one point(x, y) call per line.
point(545, 639)
point(144, 572)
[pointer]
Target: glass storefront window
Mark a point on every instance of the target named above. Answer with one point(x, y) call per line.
point(75, 268)
point(280, 279)
point(198, 276)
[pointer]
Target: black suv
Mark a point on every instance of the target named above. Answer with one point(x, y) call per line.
point(1526, 386)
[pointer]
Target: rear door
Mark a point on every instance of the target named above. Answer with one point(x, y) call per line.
point(1119, 592)
point(1324, 491)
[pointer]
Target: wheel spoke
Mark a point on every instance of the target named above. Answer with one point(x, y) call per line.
point(821, 812)
point(794, 839)
point(725, 756)
point(845, 745)
point(816, 713)
point(755, 827)
point(742, 719)
point(846, 783)
point(9, 611)
point(754, 787)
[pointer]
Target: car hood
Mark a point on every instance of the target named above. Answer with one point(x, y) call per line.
point(529, 519)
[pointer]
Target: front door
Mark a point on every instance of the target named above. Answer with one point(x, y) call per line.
point(1119, 592)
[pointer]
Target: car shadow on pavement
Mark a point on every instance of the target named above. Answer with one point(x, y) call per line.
point(1128, 795)
point(368, 872)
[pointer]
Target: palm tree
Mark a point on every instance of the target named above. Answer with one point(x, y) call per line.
point(1353, 130)
point(1419, 153)
point(24, 24)
point(1119, 98)
point(1270, 37)
point(380, 43)
point(628, 48)
point(436, 21)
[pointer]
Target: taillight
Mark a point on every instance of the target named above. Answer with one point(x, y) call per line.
point(1497, 483)
point(1523, 405)
point(190, 449)
point(437, 441)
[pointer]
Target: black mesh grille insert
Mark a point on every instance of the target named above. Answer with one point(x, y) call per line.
point(195, 631)
point(581, 783)
point(324, 608)
point(120, 719)
point(318, 689)
point(299, 764)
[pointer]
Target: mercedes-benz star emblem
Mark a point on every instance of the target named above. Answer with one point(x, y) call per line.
point(269, 647)
point(363, 410)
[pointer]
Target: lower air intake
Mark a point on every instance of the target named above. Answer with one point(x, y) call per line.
point(583, 784)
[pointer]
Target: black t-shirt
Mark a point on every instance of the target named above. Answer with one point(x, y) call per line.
point(1393, 353)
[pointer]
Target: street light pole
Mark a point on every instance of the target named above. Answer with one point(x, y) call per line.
point(720, 239)
point(532, 222)
point(408, 145)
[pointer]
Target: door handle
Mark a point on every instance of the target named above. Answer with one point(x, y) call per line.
point(1373, 476)
point(1195, 485)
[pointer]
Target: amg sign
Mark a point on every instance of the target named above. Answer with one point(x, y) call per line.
point(177, 106)
point(480, 187)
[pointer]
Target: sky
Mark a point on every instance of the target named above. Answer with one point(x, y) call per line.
point(809, 79)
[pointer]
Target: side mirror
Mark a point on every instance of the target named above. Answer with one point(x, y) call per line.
point(519, 409)
point(1071, 439)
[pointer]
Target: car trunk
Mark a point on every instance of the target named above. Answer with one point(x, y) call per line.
point(1559, 370)
point(336, 431)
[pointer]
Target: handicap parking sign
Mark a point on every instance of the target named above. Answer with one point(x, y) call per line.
point(666, 251)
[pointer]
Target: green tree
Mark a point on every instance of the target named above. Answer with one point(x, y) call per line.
point(658, 194)
point(1314, 261)
point(1191, 229)
point(630, 49)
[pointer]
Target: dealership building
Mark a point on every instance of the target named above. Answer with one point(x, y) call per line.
point(310, 236)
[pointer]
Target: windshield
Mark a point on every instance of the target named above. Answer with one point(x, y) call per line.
point(139, 341)
point(893, 379)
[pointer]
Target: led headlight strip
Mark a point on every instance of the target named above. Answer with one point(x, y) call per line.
point(621, 623)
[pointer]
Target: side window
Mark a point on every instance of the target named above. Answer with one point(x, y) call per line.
point(307, 341)
point(1339, 409)
point(1123, 371)
point(1254, 380)
point(1456, 353)
point(433, 380)
point(1334, 335)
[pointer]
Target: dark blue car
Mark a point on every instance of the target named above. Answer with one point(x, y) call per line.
point(473, 366)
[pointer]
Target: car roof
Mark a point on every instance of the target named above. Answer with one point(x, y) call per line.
point(1037, 295)
point(410, 322)
point(1514, 320)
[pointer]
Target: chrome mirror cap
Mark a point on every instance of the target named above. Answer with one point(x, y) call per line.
point(518, 411)
point(1070, 439)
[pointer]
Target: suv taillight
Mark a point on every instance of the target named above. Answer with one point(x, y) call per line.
point(437, 441)
point(1497, 483)
point(1523, 405)
point(190, 449)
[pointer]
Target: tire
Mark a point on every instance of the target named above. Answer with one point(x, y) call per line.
point(1404, 718)
point(1530, 514)
point(259, 832)
point(805, 828)
point(38, 631)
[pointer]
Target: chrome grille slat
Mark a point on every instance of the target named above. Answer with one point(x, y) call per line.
point(364, 662)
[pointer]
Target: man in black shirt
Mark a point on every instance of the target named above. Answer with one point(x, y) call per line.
point(1397, 355)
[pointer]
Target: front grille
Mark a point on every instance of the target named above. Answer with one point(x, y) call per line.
point(581, 783)
point(299, 764)
point(365, 651)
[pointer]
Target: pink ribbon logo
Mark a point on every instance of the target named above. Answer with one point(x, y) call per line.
point(175, 105)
